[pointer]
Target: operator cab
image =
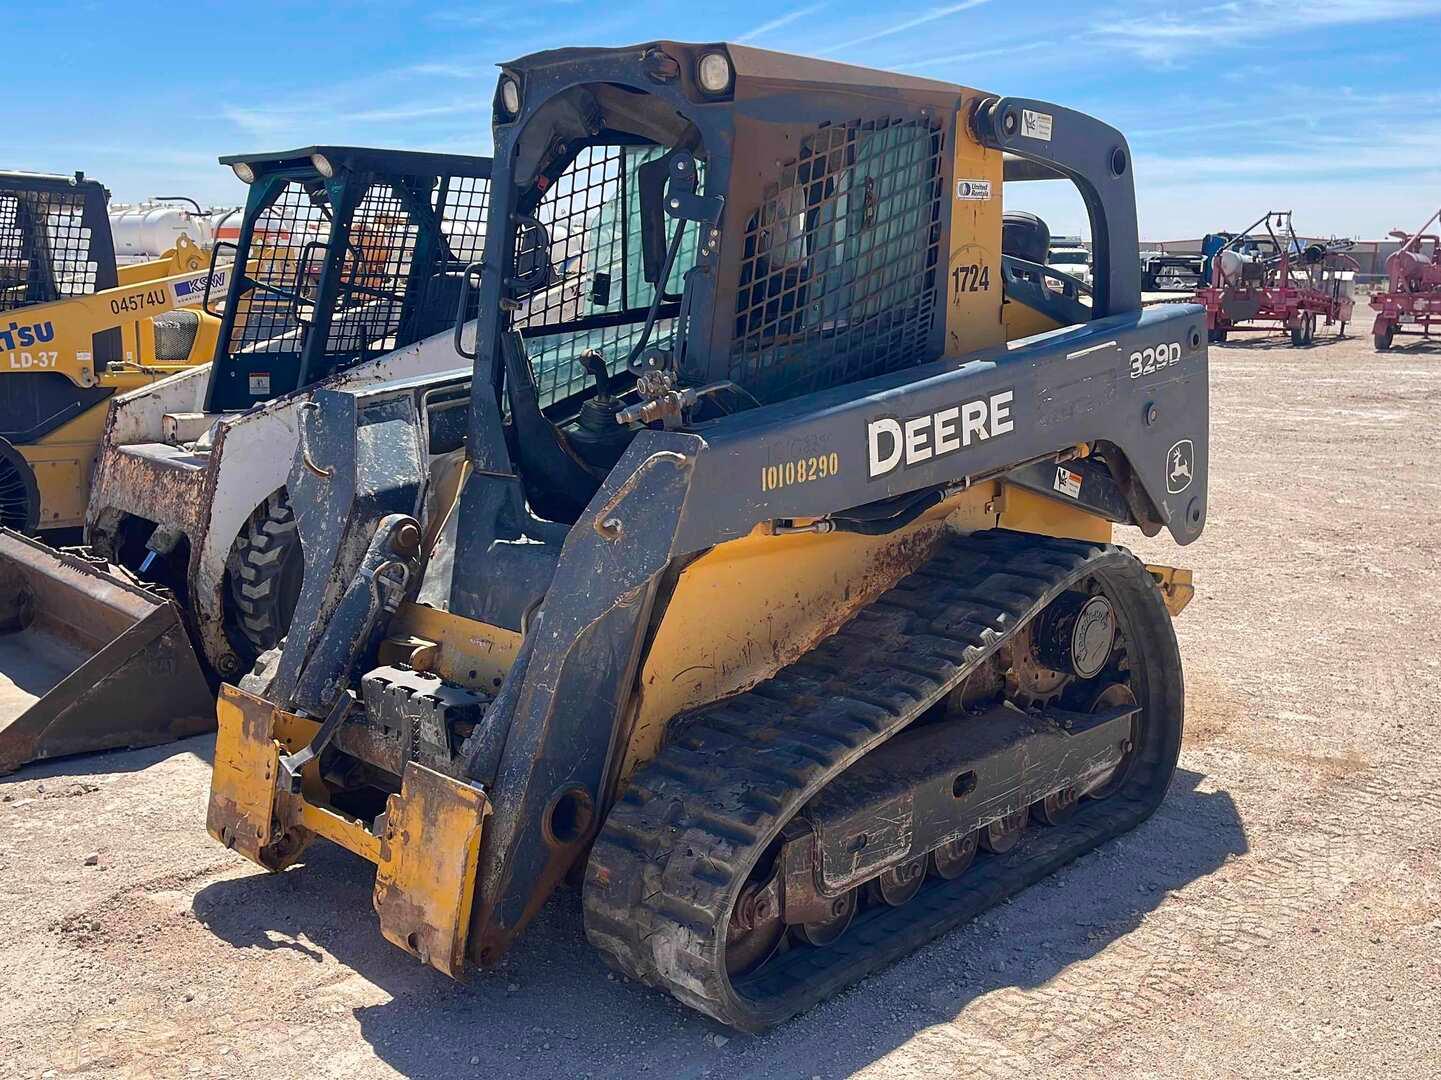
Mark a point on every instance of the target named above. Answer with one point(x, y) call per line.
point(647, 278)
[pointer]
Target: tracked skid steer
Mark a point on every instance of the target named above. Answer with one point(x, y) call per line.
point(348, 267)
point(773, 599)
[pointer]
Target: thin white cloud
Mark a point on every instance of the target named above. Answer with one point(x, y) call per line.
point(448, 71)
point(778, 22)
point(415, 111)
point(976, 54)
point(1175, 35)
point(908, 24)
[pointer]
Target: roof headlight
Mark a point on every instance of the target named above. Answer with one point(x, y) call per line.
point(714, 73)
point(244, 172)
point(510, 96)
point(322, 165)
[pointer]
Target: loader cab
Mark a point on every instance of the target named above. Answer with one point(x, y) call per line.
point(55, 240)
point(739, 229)
point(347, 253)
point(56, 244)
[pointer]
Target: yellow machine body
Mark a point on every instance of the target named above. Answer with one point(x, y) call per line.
point(733, 617)
point(63, 459)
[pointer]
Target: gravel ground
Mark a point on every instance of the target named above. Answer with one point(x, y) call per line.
point(1281, 914)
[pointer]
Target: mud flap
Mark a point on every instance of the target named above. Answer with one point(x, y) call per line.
point(89, 660)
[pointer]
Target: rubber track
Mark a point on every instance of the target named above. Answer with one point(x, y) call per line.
point(662, 874)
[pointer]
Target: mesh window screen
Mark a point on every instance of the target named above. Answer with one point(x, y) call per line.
point(373, 275)
point(45, 250)
point(592, 213)
point(288, 255)
point(463, 203)
point(285, 258)
point(839, 274)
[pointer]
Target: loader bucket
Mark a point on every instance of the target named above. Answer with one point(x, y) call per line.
point(89, 660)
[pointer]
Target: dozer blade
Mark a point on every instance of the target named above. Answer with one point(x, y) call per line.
point(89, 660)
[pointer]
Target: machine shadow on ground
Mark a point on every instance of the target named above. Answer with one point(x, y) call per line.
point(1264, 342)
point(554, 1007)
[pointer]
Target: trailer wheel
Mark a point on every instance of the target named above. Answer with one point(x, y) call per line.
point(1383, 339)
point(1298, 335)
point(19, 494)
point(266, 568)
point(1216, 337)
point(1310, 327)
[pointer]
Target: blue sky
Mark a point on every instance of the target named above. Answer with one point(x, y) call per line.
point(1330, 108)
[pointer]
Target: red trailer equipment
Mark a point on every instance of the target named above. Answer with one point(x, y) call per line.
point(1413, 287)
point(1268, 281)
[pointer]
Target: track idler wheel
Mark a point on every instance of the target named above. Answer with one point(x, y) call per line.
point(899, 884)
point(755, 930)
point(953, 858)
point(1000, 836)
point(828, 930)
point(1056, 808)
point(1115, 696)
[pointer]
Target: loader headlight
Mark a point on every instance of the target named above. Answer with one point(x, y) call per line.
point(510, 97)
point(322, 165)
point(244, 172)
point(714, 73)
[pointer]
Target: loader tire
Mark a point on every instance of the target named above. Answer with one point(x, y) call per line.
point(19, 494)
point(1383, 340)
point(695, 826)
point(266, 568)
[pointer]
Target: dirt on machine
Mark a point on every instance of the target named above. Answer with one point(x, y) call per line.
point(348, 268)
point(772, 594)
point(76, 330)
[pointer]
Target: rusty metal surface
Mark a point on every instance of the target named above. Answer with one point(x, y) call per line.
point(241, 814)
point(425, 878)
point(82, 651)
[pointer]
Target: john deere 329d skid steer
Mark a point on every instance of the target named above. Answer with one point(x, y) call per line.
point(775, 580)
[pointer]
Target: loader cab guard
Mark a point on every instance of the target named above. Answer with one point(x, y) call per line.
point(348, 253)
point(55, 243)
point(625, 232)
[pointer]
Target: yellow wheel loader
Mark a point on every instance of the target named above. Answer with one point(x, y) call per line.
point(75, 330)
point(774, 595)
point(348, 268)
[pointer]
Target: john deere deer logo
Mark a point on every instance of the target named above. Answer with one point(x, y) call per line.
point(1180, 466)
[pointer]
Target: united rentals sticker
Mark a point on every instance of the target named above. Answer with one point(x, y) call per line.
point(973, 190)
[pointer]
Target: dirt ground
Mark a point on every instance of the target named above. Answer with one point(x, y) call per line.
point(1281, 914)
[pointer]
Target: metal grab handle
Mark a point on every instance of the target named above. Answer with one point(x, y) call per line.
point(305, 457)
point(210, 274)
point(611, 527)
point(472, 270)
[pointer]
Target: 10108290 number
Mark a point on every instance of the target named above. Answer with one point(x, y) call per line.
point(802, 470)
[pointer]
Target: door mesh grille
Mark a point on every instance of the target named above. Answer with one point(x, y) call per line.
point(838, 280)
point(45, 248)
